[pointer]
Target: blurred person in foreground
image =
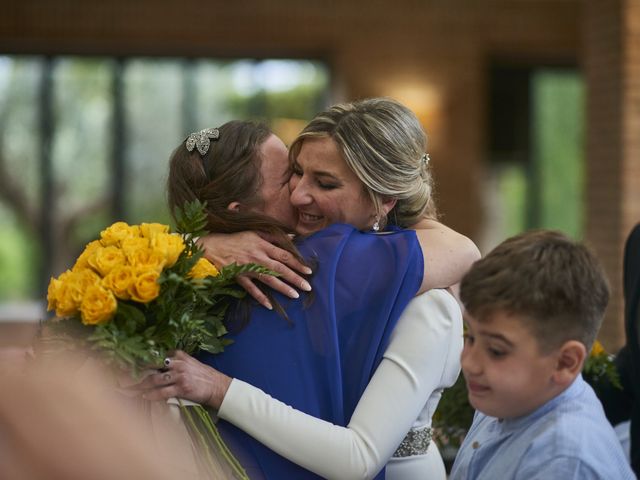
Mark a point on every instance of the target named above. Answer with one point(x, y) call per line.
point(61, 422)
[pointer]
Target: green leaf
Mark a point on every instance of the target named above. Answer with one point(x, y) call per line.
point(191, 219)
point(230, 272)
point(131, 317)
point(599, 369)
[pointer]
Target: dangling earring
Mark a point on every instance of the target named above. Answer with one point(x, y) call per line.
point(376, 226)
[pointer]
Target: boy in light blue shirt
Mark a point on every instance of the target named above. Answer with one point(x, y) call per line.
point(533, 308)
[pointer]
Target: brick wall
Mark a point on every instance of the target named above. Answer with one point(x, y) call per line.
point(612, 63)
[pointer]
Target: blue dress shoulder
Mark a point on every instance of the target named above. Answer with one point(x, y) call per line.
point(321, 360)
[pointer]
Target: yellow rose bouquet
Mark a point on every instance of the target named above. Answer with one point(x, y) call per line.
point(139, 292)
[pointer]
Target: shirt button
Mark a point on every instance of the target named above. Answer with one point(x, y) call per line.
point(475, 445)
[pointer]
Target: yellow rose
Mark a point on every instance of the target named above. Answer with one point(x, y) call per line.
point(145, 286)
point(597, 349)
point(66, 306)
point(52, 293)
point(66, 293)
point(79, 281)
point(170, 246)
point(89, 251)
point(150, 230)
point(117, 232)
point(203, 268)
point(106, 258)
point(98, 305)
point(64, 297)
point(131, 245)
point(119, 280)
point(146, 259)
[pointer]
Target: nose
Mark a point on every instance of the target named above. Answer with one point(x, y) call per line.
point(468, 360)
point(299, 192)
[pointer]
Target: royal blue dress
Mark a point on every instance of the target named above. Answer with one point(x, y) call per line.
point(321, 360)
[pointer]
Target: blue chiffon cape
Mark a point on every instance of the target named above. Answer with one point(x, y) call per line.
point(321, 360)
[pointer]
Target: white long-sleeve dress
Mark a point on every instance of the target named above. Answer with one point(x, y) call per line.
point(423, 358)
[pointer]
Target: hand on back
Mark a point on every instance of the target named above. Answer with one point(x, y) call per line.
point(251, 247)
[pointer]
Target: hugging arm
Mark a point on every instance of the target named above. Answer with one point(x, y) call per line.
point(422, 358)
point(448, 255)
point(223, 249)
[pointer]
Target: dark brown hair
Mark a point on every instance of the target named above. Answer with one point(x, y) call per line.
point(228, 172)
point(556, 285)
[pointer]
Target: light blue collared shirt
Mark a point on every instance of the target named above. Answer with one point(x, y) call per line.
point(566, 438)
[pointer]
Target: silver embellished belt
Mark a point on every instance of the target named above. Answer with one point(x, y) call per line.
point(415, 443)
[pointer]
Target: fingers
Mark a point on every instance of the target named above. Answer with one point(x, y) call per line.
point(163, 393)
point(287, 274)
point(286, 258)
point(278, 285)
point(246, 283)
point(249, 247)
point(282, 262)
point(187, 378)
point(161, 385)
point(181, 355)
point(155, 380)
point(274, 282)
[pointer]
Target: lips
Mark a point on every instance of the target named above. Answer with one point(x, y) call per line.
point(476, 388)
point(308, 223)
point(308, 218)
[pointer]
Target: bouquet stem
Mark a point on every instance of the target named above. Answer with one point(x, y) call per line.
point(208, 440)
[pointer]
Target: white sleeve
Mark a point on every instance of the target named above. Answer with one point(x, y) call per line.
point(412, 368)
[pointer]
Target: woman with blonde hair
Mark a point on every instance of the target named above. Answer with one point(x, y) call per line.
point(370, 376)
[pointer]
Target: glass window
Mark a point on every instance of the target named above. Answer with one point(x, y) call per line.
point(112, 126)
point(19, 176)
point(558, 141)
point(536, 170)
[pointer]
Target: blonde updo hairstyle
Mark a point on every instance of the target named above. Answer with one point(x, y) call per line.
point(384, 144)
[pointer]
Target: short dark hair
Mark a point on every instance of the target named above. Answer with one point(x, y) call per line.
point(554, 283)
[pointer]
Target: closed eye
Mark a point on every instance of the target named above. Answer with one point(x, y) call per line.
point(327, 186)
point(496, 353)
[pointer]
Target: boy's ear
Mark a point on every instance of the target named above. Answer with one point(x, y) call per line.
point(571, 357)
